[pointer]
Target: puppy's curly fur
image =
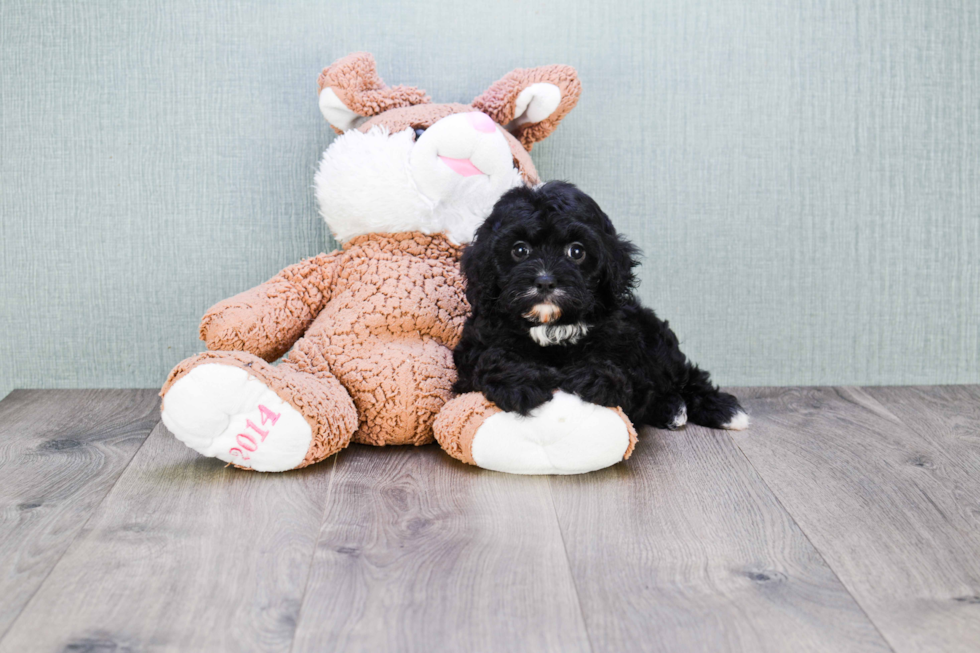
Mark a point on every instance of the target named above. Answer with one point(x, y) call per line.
point(551, 287)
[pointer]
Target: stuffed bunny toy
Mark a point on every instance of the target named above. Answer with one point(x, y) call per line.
point(369, 329)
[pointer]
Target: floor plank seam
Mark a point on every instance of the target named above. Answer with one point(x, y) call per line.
point(81, 529)
point(316, 545)
point(568, 564)
point(923, 439)
point(803, 532)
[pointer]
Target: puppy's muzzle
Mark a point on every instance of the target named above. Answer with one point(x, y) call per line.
point(543, 313)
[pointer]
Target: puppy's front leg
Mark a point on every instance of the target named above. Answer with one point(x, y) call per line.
point(517, 386)
point(598, 381)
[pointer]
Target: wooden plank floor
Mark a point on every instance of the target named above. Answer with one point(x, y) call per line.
point(844, 519)
point(60, 452)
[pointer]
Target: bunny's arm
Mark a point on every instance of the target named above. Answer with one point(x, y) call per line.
point(268, 319)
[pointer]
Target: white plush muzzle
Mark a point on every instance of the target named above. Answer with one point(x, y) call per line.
point(446, 182)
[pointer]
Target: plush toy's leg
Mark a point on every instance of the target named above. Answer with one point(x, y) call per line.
point(564, 436)
point(236, 407)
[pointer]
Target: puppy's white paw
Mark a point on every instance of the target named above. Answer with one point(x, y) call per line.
point(563, 436)
point(680, 419)
point(224, 412)
point(739, 422)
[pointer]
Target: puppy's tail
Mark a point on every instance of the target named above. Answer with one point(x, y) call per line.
point(707, 406)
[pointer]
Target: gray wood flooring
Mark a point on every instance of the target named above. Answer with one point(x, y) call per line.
point(844, 519)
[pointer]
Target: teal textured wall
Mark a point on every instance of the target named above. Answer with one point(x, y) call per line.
point(804, 177)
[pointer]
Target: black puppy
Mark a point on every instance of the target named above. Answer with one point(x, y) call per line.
point(551, 287)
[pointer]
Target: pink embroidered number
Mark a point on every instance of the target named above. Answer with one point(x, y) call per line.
point(250, 424)
point(267, 415)
point(246, 442)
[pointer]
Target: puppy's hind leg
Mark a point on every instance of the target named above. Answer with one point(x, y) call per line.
point(708, 406)
point(665, 412)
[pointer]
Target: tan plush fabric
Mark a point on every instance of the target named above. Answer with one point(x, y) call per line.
point(356, 82)
point(381, 316)
point(500, 99)
point(629, 429)
point(423, 115)
point(458, 422)
point(267, 320)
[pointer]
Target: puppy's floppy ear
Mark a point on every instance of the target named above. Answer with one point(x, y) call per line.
point(618, 259)
point(619, 267)
point(530, 102)
point(480, 272)
point(478, 264)
point(350, 90)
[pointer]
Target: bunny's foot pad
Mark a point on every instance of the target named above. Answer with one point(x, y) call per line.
point(223, 412)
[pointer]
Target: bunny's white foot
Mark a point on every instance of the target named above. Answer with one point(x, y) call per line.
point(224, 412)
point(563, 436)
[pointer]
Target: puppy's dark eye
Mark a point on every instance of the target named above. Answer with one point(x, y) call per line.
point(418, 132)
point(576, 252)
point(520, 251)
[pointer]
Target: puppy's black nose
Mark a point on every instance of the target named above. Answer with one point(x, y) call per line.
point(545, 283)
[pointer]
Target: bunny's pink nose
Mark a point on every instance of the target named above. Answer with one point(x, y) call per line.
point(481, 122)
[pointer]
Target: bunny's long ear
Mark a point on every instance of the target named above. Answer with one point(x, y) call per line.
point(531, 102)
point(351, 90)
